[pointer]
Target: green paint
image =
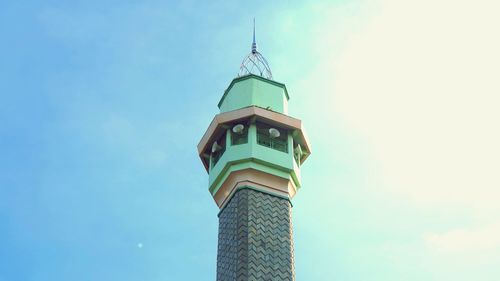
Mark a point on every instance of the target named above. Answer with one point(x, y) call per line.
point(270, 156)
point(246, 164)
point(252, 90)
point(255, 156)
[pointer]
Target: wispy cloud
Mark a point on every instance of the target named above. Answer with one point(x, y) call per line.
point(412, 95)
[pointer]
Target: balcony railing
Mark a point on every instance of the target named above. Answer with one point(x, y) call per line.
point(216, 157)
point(239, 138)
point(278, 144)
point(296, 156)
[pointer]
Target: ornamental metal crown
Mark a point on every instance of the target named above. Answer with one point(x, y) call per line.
point(255, 63)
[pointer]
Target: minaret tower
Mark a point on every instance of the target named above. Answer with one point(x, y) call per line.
point(253, 151)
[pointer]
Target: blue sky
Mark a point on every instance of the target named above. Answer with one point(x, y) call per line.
point(102, 104)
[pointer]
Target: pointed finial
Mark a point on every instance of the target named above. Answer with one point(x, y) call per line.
point(254, 45)
point(255, 63)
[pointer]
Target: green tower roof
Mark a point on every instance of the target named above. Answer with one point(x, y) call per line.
point(254, 90)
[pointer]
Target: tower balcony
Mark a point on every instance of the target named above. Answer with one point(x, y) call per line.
point(253, 147)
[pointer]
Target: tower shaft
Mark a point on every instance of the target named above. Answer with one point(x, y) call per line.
point(255, 238)
point(253, 151)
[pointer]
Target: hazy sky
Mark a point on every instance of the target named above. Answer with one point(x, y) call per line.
point(102, 104)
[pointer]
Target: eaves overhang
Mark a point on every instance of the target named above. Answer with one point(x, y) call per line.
point(220, 122)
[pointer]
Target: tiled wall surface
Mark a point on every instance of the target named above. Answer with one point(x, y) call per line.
point(255, 238)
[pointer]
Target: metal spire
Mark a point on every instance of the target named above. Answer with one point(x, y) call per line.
point(255, 63)
point(254, 45)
